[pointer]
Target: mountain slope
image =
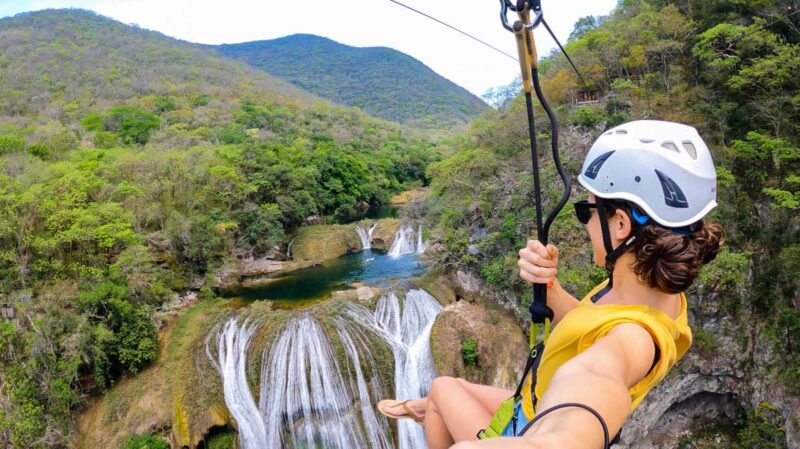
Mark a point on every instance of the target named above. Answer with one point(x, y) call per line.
point(52, 58)
point(384, 82)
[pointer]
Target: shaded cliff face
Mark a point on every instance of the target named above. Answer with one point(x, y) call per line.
point(731, 369)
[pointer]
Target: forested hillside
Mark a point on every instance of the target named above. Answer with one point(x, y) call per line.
point(717, 66)
point(133, 165)
point(384, 82)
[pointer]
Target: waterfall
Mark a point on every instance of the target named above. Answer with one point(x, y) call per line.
point(366, 235)
point(408, 334)
point(302, 384)
point(306, 398)
point(232, 342)
point(289, 249)
point(406, 241)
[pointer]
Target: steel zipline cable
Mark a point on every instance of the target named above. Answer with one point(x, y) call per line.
point(454, 29)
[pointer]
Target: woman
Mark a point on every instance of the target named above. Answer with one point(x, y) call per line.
point(650, 184)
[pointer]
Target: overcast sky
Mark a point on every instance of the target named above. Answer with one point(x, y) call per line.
point(362, 23)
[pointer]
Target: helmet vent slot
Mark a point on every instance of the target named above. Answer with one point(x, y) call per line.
point(647, 140)
point(595, 166)
point(670, 146)
point(673, 195)
point(621, 131)
point(689, 146)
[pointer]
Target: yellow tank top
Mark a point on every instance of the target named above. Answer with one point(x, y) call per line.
point(588, 322)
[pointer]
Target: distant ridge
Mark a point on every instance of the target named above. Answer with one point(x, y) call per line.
point(61, 56)
point(384, 82)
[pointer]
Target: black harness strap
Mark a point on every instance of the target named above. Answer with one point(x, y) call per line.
point(606, 442)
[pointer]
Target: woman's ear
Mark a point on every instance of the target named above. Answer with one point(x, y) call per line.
point(622, 225)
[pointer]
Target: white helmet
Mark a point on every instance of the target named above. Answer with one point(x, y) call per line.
point(663, 167)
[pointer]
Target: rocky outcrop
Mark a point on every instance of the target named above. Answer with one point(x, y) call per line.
point(254, 272)
point(357, 292)
point(324, 242)
point(383, 235)
point(501, 344)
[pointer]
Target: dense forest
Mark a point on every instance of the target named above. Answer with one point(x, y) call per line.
point(131, 166)
point(729, 69)
point(381, 81)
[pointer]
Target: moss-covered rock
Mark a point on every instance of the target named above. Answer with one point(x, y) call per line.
point(501, 348)
point(383, 235)
point(324, 242)
point(438, 285)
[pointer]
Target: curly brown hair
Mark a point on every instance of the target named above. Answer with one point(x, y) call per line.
point(670, 261)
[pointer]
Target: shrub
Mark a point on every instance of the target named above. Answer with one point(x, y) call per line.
point(105, 139)
point(144, 442)
point(587, 118)
point(763, 429)
point(493, 272)
point(11, 144)
point(93, 122)
point(39, 150)
point(469, 352)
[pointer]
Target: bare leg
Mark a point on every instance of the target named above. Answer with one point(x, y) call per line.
point(482, 401)
point(489, 397)
point(454, 414)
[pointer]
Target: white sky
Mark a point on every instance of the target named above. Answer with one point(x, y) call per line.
point(361, 23)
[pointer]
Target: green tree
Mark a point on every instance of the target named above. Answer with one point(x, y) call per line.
point(93, 122)
point(134, 125)
point(263, 229)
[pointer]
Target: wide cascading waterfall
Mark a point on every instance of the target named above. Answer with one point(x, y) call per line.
point(407, 241)
point(306, 398)
point(408, 334)
point(366, 235)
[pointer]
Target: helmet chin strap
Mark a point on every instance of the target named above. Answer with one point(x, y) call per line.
point(612, 254)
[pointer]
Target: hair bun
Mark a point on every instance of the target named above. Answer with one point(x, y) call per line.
point(669, 261)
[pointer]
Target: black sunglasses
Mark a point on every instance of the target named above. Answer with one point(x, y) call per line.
point(583, 210)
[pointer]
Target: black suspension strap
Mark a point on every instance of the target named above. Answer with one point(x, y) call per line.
point(606, 441)
point(530, 16)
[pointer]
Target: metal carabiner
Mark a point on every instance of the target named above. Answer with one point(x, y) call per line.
point(522, 7)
